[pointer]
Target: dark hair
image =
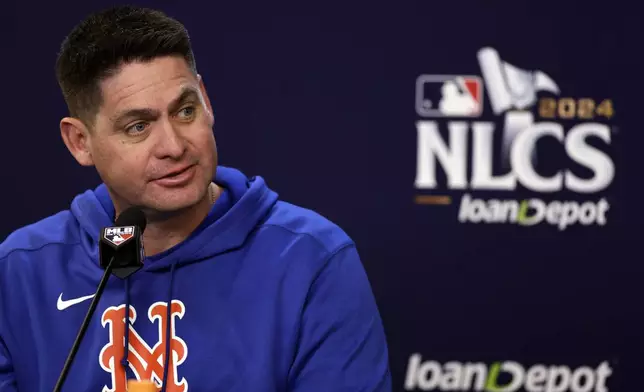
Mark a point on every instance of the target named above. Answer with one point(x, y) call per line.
point(101, 43)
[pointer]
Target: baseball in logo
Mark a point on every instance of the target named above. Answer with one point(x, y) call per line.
point(119, 235)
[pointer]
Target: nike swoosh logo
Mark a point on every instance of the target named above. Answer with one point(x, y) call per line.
point(62, 305)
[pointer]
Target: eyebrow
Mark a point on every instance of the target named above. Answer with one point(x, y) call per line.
point(187, 93)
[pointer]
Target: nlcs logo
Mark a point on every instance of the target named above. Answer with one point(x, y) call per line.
point(476, 156)
point(146, 362)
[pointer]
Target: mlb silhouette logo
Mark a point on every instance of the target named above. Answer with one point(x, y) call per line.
point(118, 235)
point(449, 96)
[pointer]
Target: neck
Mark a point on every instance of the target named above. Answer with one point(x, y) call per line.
point(165, 231)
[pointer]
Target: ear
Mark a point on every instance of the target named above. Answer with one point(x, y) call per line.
point(77, 139)
point(202, 87)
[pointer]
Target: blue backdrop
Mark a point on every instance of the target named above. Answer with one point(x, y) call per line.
point(484, 155)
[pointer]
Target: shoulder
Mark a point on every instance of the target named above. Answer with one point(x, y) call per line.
point(59, 229)
point(309, 225)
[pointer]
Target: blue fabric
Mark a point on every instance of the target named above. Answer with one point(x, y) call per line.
point(265, 296)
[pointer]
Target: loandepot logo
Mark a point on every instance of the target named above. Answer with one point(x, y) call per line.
point(504, 376)
point(565, 151)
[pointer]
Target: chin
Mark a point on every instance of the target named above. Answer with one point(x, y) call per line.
point(176, 200)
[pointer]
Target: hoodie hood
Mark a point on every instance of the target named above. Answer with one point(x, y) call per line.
point(243, 204)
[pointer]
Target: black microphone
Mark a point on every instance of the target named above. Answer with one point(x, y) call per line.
point(120, 253)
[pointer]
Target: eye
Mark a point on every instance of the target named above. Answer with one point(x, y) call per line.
point(137, 128)
point(187, 113)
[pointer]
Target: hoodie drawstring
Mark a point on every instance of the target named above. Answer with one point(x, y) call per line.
point(124, 361)
point(166, 358)
point(168, 326)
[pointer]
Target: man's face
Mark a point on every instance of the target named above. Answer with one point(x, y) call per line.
point(152, 143)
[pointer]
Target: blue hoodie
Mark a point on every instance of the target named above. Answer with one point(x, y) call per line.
point(265, 296)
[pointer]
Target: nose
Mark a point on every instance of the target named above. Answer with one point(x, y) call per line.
point(170, 144)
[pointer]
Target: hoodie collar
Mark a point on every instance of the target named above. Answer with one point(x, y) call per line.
point(242, 207)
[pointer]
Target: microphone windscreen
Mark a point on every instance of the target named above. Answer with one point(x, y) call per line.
point(132, 216)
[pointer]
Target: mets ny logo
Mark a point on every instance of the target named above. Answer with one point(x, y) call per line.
point(504, 376)
point(146, 362)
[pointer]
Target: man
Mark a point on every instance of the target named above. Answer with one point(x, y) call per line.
point(265, 296)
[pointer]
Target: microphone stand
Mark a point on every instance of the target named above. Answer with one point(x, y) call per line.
point(84, 326)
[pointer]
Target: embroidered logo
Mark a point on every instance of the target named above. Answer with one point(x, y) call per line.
point(147, 363)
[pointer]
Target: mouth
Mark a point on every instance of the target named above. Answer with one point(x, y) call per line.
point(176, 173)
point(177, 178)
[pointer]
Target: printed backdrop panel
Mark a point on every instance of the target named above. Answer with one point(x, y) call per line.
point(484, 156)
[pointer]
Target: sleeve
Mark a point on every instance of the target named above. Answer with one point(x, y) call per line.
point(7, 375)
point(342, 344)
point(7, 379)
